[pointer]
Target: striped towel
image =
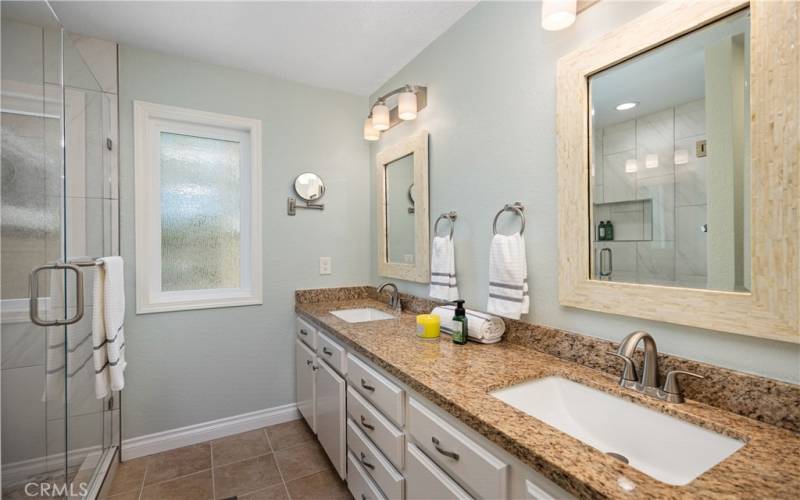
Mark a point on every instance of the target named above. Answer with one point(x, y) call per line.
point(108, 332)
point(508, 276)
point(443, 269)
point(483, 328)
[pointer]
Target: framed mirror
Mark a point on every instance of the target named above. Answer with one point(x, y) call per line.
point(402, 207)
point(675, 147)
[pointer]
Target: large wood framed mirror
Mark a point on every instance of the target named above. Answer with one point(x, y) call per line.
point(402, 211)
point(679, 168)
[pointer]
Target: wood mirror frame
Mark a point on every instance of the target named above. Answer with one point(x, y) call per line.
point(420, 270)
point(772, 307)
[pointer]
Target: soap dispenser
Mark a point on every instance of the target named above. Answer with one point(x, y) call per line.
point(609, 230)
point(461, 332)
point(601, 231)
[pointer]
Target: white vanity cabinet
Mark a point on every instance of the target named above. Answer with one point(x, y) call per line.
point(304, 365)
point(391, 443)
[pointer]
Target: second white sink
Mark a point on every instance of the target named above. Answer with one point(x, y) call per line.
point(362, 315)
point(663, 447)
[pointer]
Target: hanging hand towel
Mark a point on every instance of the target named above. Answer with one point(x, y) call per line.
point(108, 331)
point(443, 269)
point(508, 276)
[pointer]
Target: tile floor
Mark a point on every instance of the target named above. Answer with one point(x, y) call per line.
point(280, 462)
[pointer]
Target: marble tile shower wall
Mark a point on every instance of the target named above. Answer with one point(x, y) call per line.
point(659, 206)
point(88, 203)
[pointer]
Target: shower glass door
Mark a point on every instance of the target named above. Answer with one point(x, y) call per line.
point(57, 205)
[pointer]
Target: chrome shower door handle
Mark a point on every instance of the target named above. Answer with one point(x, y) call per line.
point(33, 289)
point(601, 268)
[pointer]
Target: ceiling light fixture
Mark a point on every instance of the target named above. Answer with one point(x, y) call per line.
point(631, 166)
point(627, 105)
point(651, 161)
point(410, 99)
point(558, 14)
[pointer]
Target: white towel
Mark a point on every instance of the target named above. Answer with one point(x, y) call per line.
point(483, 328)
point(508, 276)
point(443, 269)
point(108, 331)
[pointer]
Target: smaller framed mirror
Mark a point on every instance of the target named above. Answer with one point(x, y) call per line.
point(402, 187)
point(309, 187)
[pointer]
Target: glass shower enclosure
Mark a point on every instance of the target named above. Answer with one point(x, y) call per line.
point(58, 205)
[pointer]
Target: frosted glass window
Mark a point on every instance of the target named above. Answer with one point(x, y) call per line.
point(200, 213)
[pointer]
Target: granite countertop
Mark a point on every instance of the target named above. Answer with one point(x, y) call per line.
point(459, 378)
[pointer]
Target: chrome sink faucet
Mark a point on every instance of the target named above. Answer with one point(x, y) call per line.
point(648, 382)
point(394, 298)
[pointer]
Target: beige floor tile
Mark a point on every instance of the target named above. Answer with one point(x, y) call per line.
point(129, 476)
point(275, 492)
point(302, 460)
point(193, 487)
point(289, 434)
point(246, 476)
point(324, 485)
point(239, 447)
point(131, 495)
point(177, 463)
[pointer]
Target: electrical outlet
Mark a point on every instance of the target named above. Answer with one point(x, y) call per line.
point(325, 265)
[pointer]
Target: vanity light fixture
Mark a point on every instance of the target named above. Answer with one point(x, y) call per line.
point(627, 105)
point(631, 166)
point(558, 14)
point(681, 157)
point(410, 99)
point(651, 161)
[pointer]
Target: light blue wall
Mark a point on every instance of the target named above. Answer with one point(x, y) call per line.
point(491, 115)
point(191, 367)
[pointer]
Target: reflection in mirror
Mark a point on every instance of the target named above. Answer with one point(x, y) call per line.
point(670, 163)
point(309, 186)
point(400, 234)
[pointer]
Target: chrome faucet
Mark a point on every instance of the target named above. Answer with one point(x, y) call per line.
point(394, 298)
point(648, 382)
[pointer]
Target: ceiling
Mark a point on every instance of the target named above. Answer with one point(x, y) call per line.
point(349, 46)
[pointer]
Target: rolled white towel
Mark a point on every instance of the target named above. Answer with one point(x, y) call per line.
point(483, 328)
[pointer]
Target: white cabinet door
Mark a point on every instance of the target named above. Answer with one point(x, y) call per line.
point(304, 382)
point(330, 409)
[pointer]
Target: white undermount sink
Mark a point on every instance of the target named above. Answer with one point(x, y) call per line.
point(361, 315)
point(661, 446)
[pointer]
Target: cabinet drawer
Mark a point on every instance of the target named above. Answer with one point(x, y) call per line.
point(379, 469)
point(426, 480)
point(388, 438)
point(464, 459)
point(359, 483)
point(386, 396)
point(331, 352)
point(306, 333)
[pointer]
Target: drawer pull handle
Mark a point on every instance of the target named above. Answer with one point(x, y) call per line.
point(365, 463)
point(366, 386)
point(315, 368)
point(308, 362)
point(444, 452)
point(303, 332)
point(365, 424)
point(327, 351)
point(363, 497)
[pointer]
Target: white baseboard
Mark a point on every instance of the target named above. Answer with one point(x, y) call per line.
point(198, 433)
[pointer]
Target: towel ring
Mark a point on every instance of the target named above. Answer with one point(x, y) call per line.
point(516, 207)
point(450, 216)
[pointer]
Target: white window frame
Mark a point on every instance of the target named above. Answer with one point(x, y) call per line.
point(149, 120)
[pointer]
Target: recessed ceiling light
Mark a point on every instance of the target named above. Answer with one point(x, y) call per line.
point(626, 106)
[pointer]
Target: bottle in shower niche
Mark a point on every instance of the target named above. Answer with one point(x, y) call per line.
point(601, 231)
point(609, 230)
point(461, 332)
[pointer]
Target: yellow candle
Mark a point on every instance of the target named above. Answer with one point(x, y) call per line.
point(428, 326)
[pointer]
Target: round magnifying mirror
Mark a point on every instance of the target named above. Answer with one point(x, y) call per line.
point(309, 186)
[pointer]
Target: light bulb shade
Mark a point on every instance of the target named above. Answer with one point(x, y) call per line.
point(558, 14)
point(380, 117)
point(651, 161)
point(370, 134)
point(631, 166)
point(407, 106)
